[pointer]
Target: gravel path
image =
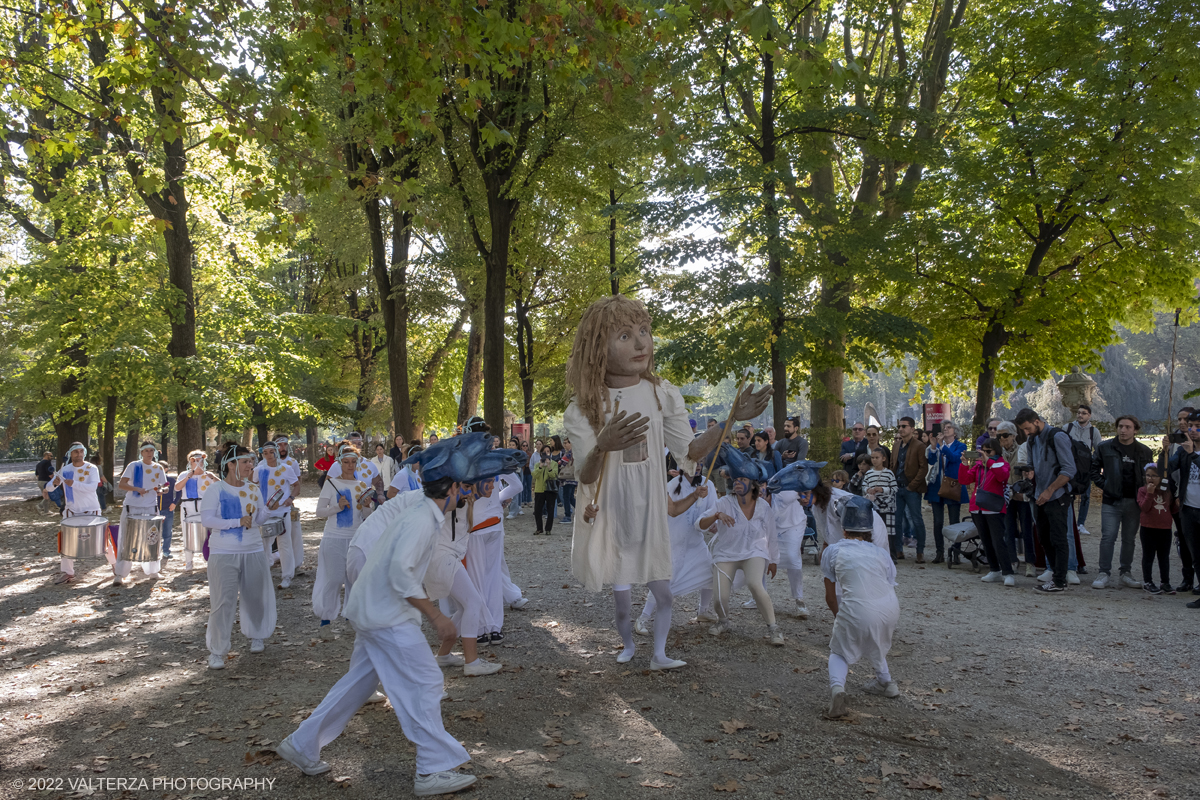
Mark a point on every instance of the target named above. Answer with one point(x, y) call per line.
point(1006, 693)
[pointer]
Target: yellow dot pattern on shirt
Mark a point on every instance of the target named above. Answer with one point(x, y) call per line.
point(242, 493)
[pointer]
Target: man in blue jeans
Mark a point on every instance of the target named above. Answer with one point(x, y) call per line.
point(910, 466)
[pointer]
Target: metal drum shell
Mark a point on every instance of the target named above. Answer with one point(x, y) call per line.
point(271, 527)
point(193, 536)
point(141, 541)
point(82, 536)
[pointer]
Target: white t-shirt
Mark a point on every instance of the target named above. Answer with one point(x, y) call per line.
point(1192, 499)
point(222, 509)
point(273, 479)
point(147, 477)
point(343, 522)
point(80, 496)
point(405, 480)
point(365, 471)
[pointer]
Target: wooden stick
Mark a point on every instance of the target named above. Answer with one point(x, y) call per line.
point(603, 464)
point(728, 424)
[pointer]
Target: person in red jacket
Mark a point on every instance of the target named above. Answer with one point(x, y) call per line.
point(1158, 505)
point(989, 478)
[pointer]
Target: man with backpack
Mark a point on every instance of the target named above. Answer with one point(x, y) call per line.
point(1053, 461)
point(1118, 469)
point(1082, 430)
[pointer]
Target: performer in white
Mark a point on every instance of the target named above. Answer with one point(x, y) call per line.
point(628, 541)
point(142, 481)
point(276, 481)
point(407, 478)
point(283, 444)
point(745, 541)
point(343, 504)
point(691, 562)
point(786, 488)
point(238, 569)
point(364, 470)
point(866, 614)
point(79, 480)
point(189, 491)
point(385, 608)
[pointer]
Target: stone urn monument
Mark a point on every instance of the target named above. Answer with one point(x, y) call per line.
point(1077, 389)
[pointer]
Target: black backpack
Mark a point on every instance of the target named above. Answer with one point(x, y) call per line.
point(1082, 454)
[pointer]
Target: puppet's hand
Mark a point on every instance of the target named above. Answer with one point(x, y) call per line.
point(622, 431)
point(750, 404)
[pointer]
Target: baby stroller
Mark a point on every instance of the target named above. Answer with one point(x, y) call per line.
point(809, 545)
point(962, 538)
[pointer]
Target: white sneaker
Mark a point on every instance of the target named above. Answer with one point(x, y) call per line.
point(442, 783)
point(257, 646)
point(992, 577)
point(1127, 580)
point(1101, 581)
point(776, 635)
point(707, 615)
point(1072, 578)
point(1030, 572)
point(479, 667)
point(801, 610)
point(670, 663)
point(518, 604)
point(378, 697)
point(1046, 576)
point(288, 752)
point(837, 703)
point(1010, 580)
point(450, 660)
point(1084, 531)
point(750, 603)
point(215, 661)
point(719, 628)
point(187, 566)
point(889, 689)
point(639, 626)
point(285, 583)
point(326, 630)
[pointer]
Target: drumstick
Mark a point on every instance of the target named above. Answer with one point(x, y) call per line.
point(603, 464)
point(728, 424)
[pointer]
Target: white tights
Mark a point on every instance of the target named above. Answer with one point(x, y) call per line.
point(623, 599)
point(839, 670)
point(706, 596)
point(754, 570)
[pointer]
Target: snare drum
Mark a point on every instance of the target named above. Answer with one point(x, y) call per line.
point(271, 528)
point(82, 536)
point(141, 539)
point(193, 536)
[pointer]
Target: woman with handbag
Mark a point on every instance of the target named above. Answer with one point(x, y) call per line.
point(989, 476)
point(945, 494)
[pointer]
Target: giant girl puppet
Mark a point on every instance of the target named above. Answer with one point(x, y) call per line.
point(627, 541)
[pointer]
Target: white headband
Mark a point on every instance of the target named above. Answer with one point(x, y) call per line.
point(77, 447)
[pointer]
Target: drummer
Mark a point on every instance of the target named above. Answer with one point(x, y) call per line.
point(79, 480)
point(283, 444)
point(276, 480)
point(142, 481)
point(237, 562)
point(189, 490)
point(365, 471)
point(343, 505)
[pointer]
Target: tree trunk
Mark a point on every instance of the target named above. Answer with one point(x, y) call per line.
point(165, 436)
point(310, 440)
point(774, 243)
point(502, 213)
point(612, 241)
point(525, 359)
point(131, 443)
point(108, 439)
point(429, 373)
point(985, 389)
point(392, 285)
point(468, 403)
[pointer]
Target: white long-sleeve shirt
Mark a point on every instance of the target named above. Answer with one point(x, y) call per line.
point(338, 521)
point(747, 538)
point(506, 487)
point(395, 570)
point(222, 509)
point(373, 527)
point(80, 496)
point(147, 477)
point(274, 479)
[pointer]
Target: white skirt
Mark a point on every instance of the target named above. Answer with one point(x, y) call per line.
point(791, 548)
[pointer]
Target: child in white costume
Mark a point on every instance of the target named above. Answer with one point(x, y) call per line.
point(237, 562)
point(866, 614)
point(276, 478)
point(745, 541)
point(622, 538)
point(691, 561)
point(385, 607)
point(79, 480)
point(343, 504)
point(142, 481)
point(485, 551)
point(189, 492)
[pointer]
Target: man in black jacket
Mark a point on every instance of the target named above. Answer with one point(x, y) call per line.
point(1118, 469)
point(44, 472)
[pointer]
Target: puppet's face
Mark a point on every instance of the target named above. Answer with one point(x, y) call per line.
point(629, 349)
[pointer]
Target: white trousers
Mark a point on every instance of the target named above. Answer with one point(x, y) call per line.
point(66, 564)
point(512, 592)
point(468, 611)
point(356, 560)
point(331, 577)
point(291, 547)
point(485, 557)
point(122, 568)
point(400, 659)
point(233, 577)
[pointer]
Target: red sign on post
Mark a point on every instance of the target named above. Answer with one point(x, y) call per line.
point(520, 431)
point(935, 413)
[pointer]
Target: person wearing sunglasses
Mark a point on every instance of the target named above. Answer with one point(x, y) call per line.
point(992, 426)
point(910, 465)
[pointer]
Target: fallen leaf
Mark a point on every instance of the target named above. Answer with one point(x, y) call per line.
point(657, 784)
point(733, 726)
point(888, 769)
point(622, 774)
point(343, 781)
point(923, 782)
point(940, 659)
point(503, 760)
point(579, 795)
point(769, 736)
point(672, 774)
point(869, 779)
point(470, 714)
point(738, 755)
point(839, 760)
point(729, 786)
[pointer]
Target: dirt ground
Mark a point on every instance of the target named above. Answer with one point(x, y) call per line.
point(1005, 692)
